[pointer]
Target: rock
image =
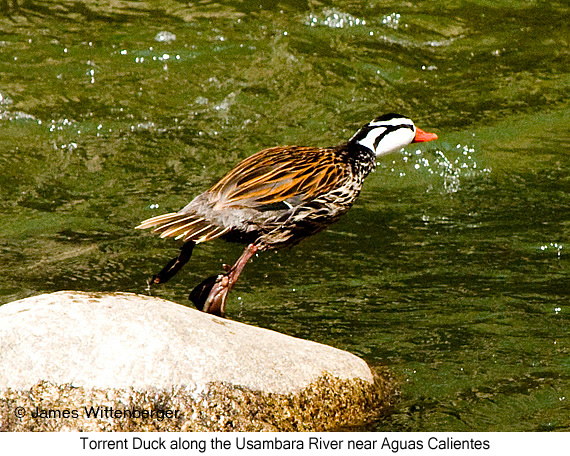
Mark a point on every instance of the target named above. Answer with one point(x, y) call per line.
point(144, 363)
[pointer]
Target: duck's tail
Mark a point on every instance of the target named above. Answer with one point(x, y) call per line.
point(185, 226)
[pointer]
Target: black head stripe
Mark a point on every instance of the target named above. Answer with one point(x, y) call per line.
point(387, 117)
point(362, 133)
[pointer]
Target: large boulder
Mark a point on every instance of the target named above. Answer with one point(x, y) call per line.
point(129, 362)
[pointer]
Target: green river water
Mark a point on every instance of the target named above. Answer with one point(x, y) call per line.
point(453, 267)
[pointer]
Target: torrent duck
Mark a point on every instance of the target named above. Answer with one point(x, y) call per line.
point(277, 197)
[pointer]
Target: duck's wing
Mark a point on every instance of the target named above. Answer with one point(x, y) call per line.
point(280, 178)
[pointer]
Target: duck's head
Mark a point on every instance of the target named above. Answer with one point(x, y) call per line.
point(388, 133)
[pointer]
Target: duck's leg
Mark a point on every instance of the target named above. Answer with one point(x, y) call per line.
point(174, 265)
point(211, 295)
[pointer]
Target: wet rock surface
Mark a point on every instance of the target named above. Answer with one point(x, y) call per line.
point(95, 361)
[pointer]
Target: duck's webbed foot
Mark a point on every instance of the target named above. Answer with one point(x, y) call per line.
point(173, 266)
point(211, 295)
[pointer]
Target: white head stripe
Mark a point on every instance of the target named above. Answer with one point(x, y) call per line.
point(391, 123)
point(369, 140)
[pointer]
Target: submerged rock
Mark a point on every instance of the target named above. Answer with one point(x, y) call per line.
point(129, 362)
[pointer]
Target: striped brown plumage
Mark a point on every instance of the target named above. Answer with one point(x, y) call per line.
point(267, 190)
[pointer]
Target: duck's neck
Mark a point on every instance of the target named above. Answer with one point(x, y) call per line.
point(361, 159)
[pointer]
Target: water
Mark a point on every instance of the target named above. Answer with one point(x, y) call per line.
point(452, 268)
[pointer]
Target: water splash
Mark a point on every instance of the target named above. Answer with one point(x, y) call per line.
point(5, 114)
point(451, 170)
point(331, 17)
point(553, 247)
point(17, 115)
point(60, 124)
point(165, 37)
point(144, 126)
point(5, 100)
point(392, 20)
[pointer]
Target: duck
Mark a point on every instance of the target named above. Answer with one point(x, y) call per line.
point(275, 198)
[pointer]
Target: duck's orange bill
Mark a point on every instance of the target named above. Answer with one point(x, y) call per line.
point(424, 136)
